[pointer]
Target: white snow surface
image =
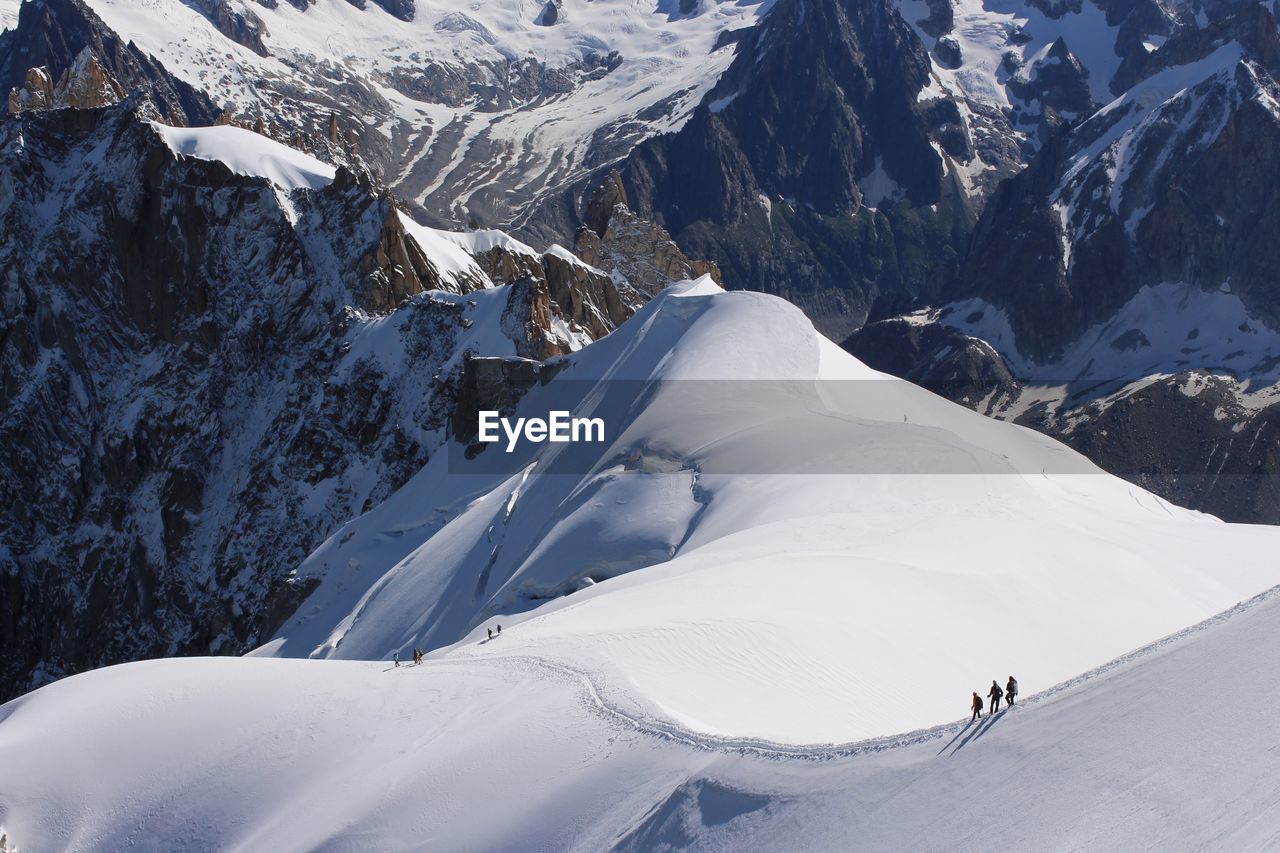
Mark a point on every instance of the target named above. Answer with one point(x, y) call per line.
point(502, 752)
point(821, 554)
point(247, 153)
point(446, 249)
point(764, 579)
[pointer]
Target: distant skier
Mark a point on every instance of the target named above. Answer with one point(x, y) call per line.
point(490, 630)
point(977, 706)
point(395, 658)
point(1011, 690)
point(996, 695)
point(499, 630)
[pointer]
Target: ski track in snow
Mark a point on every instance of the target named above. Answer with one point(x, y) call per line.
point(594, 698)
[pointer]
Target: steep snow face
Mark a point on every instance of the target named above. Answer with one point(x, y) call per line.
point(499, 751)
point(470, 108)
point(247, 153)
point(767, 511)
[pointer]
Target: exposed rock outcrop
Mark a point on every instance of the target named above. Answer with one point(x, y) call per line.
point(639, 250)
point(84, 85)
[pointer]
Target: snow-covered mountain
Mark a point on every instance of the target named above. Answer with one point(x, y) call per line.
point(216, 349)
point(790, 505)
point(1119, 292)
point(470, 110)
point(240, 381)
point(695, 611)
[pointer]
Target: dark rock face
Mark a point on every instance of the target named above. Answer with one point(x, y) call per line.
point(195, 389)
point(53, 34)
point(1189, 437)
point(493, 384)
point(549, 15)
point(1202, 450)
point(954, 365)
point(947, 51)
point(768, 178)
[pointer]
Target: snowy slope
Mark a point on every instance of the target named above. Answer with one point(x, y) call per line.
point(853, 541)
point(1164, 750)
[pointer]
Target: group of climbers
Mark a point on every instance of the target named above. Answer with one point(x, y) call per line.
point(418, 654)
point(995, 694)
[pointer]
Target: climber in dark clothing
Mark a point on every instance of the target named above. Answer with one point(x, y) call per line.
point(995, 694)
point(490, 630)
point(977, 707)
point(1011, 689)
point(395, 658)
point(499, 630)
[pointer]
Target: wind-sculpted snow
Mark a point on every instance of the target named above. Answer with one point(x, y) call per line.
point(852, 541)
point(247, 153)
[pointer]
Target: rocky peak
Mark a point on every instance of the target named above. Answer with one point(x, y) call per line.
point(586, 303)
point(1253, 27)
point(604, 199)
point(1058, 84)
point(815, 170)
point(530, 321)
point(615, 239)
point(85, 84)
